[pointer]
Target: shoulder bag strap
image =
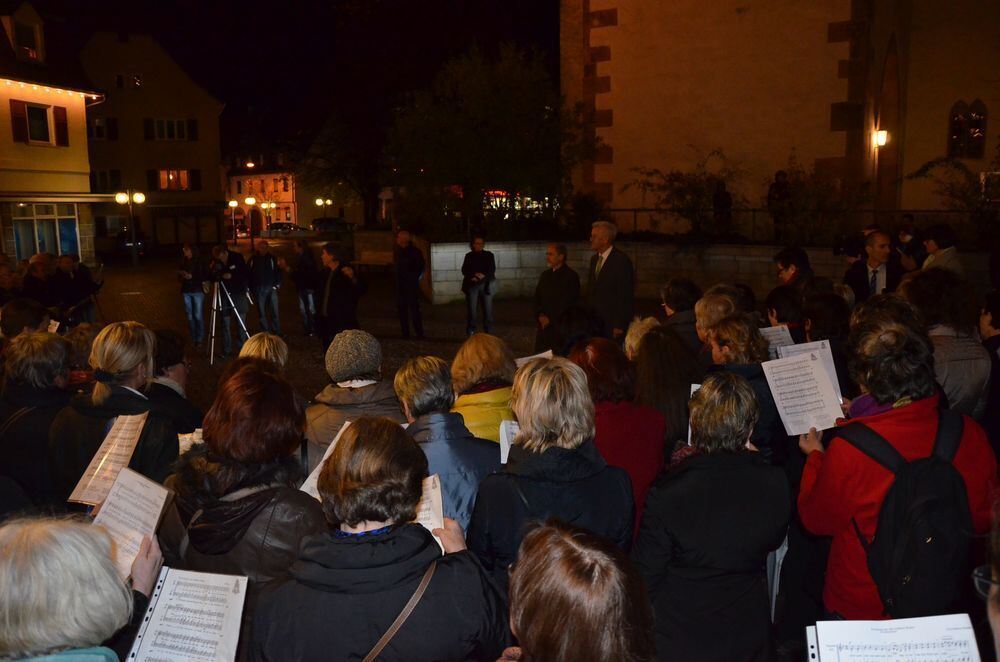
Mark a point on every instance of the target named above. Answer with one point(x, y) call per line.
point(403, 615)
point(873, 445)
point(949, 434)
point(14, 418)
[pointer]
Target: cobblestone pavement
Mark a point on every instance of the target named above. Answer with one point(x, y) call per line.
point(151, 295)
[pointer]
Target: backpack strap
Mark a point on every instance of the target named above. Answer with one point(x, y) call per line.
point(403, 615)
point(873, 445)
point(951, 425)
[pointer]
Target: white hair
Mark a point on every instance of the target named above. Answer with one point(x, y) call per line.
point(608, 227)
point(639, 327)
point(59, 588)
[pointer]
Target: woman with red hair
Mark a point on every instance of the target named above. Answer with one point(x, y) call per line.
point(628, 435)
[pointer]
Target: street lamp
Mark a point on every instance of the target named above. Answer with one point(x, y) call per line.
point(130, 198)
point(324, 205)
point(250, 201)
point(233, 204)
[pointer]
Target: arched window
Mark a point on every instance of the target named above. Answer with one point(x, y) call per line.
point(967, 130)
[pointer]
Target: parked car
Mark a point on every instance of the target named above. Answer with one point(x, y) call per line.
point(284, 229)
point(332, 226)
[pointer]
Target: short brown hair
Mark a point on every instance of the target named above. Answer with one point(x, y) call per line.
point(724, 412)
point(742, 337)
point(255, 418)
point(481, 357)
point(575, 596)
point(609, 374)
point(374, 474)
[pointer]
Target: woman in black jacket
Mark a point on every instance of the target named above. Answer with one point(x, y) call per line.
point(122, 358)
point(553, 470)
point(706, 532)
point(350, 584)
point(238, 508)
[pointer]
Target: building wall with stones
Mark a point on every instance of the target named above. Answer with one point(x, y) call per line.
point(519, 264)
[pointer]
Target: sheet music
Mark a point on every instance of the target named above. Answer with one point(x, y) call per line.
point(186, 441)
point(508, 430)
point(812, 648)
point(524, 359)
point(776, 336)
point(940, 638)
point(430, 510)
point(694, 389)
point(131, 511)
point(822, 347)
point(191, 616)
point(114, 454)
point(309, 486)
point(802, 393)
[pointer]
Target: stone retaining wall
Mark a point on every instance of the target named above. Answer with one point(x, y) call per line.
point(520, 263)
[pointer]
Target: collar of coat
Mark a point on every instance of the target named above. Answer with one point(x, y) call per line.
point(560, 465)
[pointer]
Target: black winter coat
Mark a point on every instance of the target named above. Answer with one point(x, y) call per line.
point(79, 429)
point(344, 593)
point(706, 531)
point(573, 485)
point(459, 458)
point(185, 417)
point(25, 416)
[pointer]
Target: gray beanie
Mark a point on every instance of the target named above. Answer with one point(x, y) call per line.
point(353, 354)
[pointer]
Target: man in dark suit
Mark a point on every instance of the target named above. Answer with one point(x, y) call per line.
point(558, 290)
point(409, 262)
point(338, 290)
point(877, 272)
point(610, 287)
point(478, 273)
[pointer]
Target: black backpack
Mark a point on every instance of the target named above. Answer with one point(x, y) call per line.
point(921, 547)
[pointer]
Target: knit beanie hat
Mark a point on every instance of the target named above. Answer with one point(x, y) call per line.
point(353, 354)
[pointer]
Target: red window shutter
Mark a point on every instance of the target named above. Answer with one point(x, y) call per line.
point(19, 120)
point(62, 126)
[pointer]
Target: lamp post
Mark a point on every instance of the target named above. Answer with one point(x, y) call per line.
point(324, 205)
point(130, 198)
point(233, 204)
point(250, 201)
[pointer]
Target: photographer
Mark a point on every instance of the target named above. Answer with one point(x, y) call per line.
point(231, 272)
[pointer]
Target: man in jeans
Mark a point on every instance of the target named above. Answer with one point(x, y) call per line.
point(265, 279)
point(230, 270)
point(304, 273)
point(478, 273)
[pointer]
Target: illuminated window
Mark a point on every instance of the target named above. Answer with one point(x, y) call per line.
point(175, 180)
point(967, 130)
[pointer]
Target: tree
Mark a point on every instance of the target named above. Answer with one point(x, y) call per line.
point(487, 123)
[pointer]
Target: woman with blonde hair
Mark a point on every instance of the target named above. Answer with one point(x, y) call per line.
point(267, 346)
point(636, 330)
point(553, 470)
point(481, 374)
point(61, 596)
point(739, 348)
point(122, 358)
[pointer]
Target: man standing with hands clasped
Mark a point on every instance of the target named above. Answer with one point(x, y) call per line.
point(611, 282)
point(558, 290)
point(877, 273)
point(478, 273)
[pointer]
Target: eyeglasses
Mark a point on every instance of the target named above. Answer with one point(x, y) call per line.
point(982, 579)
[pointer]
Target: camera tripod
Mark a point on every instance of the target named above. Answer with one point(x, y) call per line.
point(218, 289)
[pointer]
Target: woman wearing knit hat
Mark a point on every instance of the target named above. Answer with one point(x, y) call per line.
point(354, 363)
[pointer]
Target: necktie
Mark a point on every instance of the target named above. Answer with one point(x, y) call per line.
point(873, 283)
point(600, 263)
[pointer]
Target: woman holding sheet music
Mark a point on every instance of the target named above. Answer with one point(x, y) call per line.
point(238, 509)
point(378, 579)
point(123, 361)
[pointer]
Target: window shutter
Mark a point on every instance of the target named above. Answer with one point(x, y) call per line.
point(19, 120)
point(192, 129)
point(62, 126)
point(93, 182)
point(194, 179)
point(148, 132)
point(115, 179)
point(112, 128)
point(153, 180)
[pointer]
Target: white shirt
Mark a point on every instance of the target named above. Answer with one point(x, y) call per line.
point(880, 276)
point(602, 259)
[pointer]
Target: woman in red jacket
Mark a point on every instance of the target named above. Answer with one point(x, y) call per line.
point(628, 435)
point(892, 361)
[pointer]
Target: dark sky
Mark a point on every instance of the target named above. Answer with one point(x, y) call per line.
point(291, 59)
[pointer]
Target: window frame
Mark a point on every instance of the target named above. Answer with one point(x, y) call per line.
point(50, 128)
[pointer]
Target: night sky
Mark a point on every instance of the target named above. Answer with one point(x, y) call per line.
point(281, 66)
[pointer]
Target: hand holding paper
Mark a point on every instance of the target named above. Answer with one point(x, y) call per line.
point(131, 513)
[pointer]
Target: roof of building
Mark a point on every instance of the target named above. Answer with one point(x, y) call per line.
point(61, 67)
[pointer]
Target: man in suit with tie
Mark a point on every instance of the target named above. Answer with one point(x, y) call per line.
point(878, 272)
point(610, 286)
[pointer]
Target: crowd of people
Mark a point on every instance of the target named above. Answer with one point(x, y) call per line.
point(651, 505)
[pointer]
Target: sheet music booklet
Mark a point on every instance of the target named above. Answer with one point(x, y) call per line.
point(948, 638)
point(191, 616)
point(131, 511)
point(114, 454)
